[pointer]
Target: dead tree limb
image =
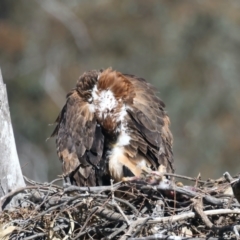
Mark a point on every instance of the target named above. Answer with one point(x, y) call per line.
point(11, 176)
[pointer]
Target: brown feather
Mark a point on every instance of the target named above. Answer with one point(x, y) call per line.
point(88, 132)
point(151, 125)
point(118, 84)
point(79, 140)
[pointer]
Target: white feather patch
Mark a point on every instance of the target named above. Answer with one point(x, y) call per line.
point(123, 139)
point(91, 108)
point(105, 99)
point(115, 166)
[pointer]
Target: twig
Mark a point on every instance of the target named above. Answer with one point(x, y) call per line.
point(117, 206)
point(108, 214)
point(119, 230)
point(43, 184)
point(141, 225)
point(10, 195)
point(94, 210)
point(191, 193)
point(236, 230)
point(131, 228)
point(197, 180)
point(91, 189)
point(37, 235)
point(128, 204)
point(228, 177)
point(187, 192)
point(197, 205)
point(167, 237)
point(184, 177)
point(192, 215)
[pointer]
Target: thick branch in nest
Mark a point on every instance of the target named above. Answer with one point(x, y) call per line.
point(95, 213)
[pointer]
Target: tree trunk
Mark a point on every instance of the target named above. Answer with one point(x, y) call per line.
point(10, 171)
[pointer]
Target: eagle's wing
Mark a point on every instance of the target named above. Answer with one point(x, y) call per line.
point(149, 123)
point(79, 141)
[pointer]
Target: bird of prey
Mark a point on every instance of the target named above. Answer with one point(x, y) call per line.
point(113, 125)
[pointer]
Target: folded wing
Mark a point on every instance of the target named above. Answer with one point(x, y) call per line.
point(79, 141)
point(149, 124)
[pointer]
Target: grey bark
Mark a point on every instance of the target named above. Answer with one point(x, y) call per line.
point(10, 171)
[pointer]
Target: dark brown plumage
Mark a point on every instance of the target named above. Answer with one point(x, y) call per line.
point(113, 125)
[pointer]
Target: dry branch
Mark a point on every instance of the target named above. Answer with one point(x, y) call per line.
point(10, 171)
point(96, 213)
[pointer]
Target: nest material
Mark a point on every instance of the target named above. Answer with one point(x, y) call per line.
point(132, 210)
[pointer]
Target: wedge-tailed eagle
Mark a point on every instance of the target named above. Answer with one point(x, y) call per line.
point(113, 125)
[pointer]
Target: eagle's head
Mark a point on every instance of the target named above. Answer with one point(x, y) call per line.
point(107, 92)
point(86, 83)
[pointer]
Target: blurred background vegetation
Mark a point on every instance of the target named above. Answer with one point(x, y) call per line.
point(189, 50)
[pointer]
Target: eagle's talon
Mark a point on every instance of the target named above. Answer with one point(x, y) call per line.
point(151, 177)
point(129, 179)
point(66, 182)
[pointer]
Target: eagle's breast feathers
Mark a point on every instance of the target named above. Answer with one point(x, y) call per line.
point(112, 125)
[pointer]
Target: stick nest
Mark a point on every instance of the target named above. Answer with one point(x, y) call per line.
point(132, 210)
